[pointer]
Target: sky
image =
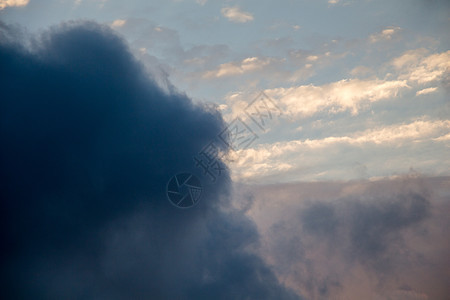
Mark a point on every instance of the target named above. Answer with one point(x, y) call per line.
point(359, 81)
point(319, 133)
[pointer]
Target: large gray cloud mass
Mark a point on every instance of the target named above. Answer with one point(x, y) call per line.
point(89, 142)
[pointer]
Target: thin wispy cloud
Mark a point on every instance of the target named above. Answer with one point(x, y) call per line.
point(247, 65)
point(426, 91)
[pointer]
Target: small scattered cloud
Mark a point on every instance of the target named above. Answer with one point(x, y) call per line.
point(235, 14)
point(118, 23)
point(384, 35)
point(246, 65)
point(12, 3)
point(143, 50)
point(338, 2)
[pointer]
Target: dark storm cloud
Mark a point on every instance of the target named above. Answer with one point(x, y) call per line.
point(88, 145)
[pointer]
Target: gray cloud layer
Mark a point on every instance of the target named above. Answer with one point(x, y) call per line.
point(357, 240)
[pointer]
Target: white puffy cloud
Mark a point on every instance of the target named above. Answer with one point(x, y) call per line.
point(420, 68)
point(347, 94)
point(6, 3)
point(337, 155)
point(382, 150)
point(235, 14)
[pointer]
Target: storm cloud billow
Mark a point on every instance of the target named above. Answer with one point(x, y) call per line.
point(89, 142)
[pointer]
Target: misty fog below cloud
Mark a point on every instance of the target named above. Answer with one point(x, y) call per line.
point(386, 239)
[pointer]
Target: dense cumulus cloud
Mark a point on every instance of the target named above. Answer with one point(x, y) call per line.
point(89, 142)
